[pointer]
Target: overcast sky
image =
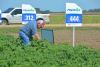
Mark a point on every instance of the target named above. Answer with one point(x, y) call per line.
point(52, 5)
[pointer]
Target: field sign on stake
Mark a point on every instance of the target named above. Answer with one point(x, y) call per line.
point(73, 17)
point(28, 13)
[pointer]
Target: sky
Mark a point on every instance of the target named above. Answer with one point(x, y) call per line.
point(52, 5)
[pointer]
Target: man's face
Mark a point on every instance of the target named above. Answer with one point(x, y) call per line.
point(40, 24)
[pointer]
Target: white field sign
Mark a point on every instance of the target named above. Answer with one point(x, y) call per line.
point(73, 15)
point(28, 13)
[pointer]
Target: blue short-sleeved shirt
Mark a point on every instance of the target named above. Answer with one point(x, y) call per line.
point(30, 28)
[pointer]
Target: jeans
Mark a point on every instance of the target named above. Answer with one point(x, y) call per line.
point(25, 39)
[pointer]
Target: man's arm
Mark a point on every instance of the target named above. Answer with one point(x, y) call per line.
point(37, 37)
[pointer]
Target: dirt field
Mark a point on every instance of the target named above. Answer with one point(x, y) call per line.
point(88, 34)
point(87, 37)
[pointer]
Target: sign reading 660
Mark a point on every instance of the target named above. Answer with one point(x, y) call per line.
point(28, 17)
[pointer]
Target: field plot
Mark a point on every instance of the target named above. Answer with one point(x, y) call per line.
point(88, 36)
point(85, 35)
point(44, 54)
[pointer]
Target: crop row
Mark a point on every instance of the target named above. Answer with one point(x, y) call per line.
point(44, 54)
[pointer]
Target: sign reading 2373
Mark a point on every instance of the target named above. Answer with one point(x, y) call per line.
point(28, 17)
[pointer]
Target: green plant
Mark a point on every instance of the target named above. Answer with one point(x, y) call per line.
point(44, 54)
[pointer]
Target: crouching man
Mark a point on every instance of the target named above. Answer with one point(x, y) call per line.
point(28, 31)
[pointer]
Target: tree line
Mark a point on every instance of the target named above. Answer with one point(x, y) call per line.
point(38, 10)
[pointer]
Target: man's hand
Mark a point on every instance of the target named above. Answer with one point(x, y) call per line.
point(37, 37)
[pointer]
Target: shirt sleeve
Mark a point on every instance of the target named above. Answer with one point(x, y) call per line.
point(33, 26)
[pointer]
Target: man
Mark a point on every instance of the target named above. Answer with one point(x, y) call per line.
point(29, 30)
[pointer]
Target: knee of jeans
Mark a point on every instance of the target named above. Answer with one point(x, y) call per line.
point(27, 43)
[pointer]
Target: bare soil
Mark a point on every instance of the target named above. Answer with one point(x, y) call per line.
point(86, 37)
